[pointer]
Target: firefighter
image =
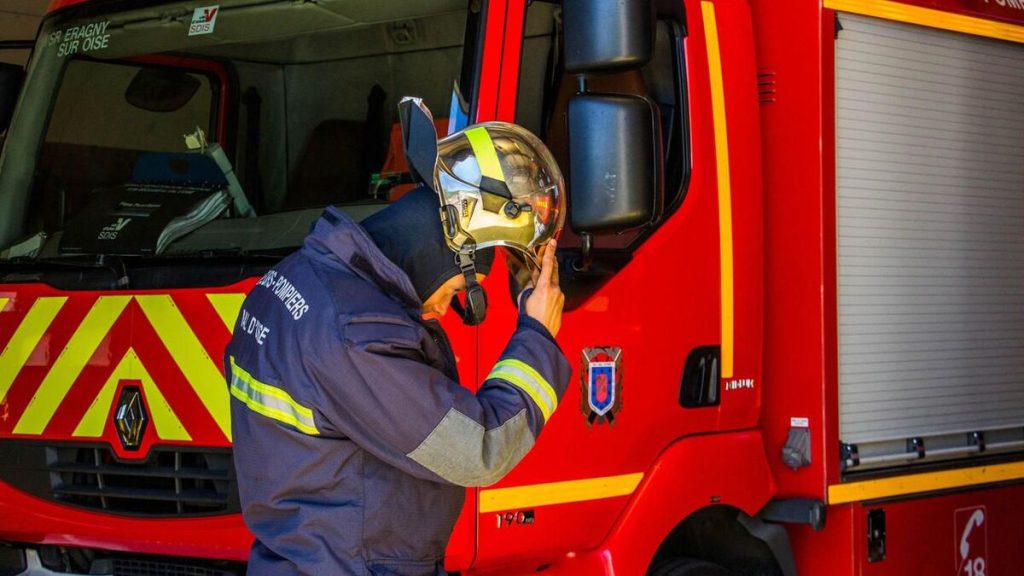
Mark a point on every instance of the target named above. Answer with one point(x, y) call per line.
point(353, 439)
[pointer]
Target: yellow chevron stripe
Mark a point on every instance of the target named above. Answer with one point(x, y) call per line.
point(190, 356)
point(168, 425)
point(69, 364)
point(724, 186)
point(25, 339)
point(558, 492)
point(92, 423)
point(921, 16)
point(227, 307)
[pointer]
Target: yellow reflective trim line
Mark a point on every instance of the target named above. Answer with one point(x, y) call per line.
point(519, 382)
point(190, 356)
point(724, 185)
point(558, 492)
point(942, 20)
point(227, 307)
point(257, 396)
point(528, 380)
point(925, 482)
point(167, 424)
point(26, 337)
point(66, 369)
point(486, 155)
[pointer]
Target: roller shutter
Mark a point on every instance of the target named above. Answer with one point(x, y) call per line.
point(930, 208)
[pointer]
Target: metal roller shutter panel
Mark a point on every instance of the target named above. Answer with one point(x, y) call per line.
point(930, 208)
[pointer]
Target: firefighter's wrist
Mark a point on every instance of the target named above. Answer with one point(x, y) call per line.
point(523, 297)
point(526, 322)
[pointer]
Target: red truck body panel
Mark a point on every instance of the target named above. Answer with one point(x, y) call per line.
point(757, 228)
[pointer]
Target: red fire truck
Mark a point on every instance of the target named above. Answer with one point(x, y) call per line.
point(794, 268)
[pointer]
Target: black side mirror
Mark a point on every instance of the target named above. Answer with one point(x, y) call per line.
point(11, 78)
point(607, 35)
point(615, 166)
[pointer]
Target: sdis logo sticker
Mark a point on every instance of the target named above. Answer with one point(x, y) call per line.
point(203, 20)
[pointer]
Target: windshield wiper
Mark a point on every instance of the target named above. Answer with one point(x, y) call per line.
point(80, 271)
point(214, 267)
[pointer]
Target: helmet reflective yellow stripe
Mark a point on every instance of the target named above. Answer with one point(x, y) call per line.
point(486, 155)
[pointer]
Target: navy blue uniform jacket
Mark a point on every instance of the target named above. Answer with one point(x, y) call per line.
point(352, 436)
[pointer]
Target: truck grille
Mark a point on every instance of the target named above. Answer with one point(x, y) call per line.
point(135, 567)
point(69, 560)
point(170, 482)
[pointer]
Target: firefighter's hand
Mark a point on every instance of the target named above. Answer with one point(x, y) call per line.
point(545, 302)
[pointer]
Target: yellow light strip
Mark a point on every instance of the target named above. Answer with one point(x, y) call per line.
point(190, 356)
point(900, 12)
point(68, 366)
point(535, 495)
point(926, 482)
point(724, 186)
point(25, 339)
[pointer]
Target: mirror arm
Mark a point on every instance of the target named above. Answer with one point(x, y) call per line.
point(586, 258)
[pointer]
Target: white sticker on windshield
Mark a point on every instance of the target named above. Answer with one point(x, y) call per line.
point(203, 20)
point(80, 39)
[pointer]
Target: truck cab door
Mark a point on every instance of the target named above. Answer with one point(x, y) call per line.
point(663, 293)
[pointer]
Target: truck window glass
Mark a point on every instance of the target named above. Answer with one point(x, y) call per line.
point(300, 98)
point(96, 134)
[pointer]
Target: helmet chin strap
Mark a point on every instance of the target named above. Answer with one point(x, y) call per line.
point(475, 310)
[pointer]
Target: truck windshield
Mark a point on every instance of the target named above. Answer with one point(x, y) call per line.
point(184, 129)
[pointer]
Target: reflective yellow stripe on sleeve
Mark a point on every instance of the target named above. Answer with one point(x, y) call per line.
point(270, 401)
point(522, 376)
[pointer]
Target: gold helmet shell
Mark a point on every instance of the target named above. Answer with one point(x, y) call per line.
point(499, 186)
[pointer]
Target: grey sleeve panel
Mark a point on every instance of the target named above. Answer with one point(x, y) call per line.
point(463, 452)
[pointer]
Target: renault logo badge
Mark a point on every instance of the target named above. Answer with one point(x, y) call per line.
point(130, 418)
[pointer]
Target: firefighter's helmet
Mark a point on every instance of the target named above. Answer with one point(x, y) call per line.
point(498, 184)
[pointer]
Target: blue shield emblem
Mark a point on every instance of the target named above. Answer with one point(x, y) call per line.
point(602, 387)
point(601, 384)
